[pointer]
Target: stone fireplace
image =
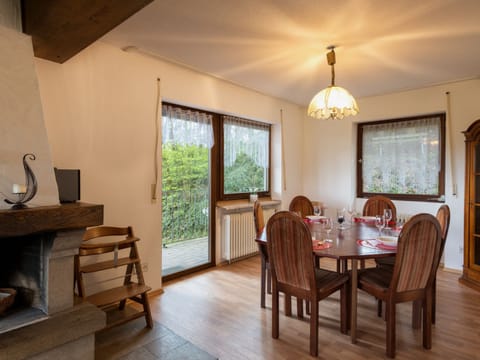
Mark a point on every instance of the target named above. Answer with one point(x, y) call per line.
point(36, 259)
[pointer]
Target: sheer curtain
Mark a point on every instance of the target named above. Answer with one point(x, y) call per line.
point(244, 136)
point(186, 127)
point(246, 155)
point(402, 157)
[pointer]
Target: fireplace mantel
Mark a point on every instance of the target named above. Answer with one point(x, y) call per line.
point(43, 219)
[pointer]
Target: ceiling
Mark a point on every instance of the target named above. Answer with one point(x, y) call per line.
point(278, 47)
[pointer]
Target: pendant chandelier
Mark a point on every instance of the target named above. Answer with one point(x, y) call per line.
point(334, 102)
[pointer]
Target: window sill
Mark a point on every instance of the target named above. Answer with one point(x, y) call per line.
point(232, 206)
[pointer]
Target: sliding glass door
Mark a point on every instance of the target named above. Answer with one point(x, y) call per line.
point(186, 142)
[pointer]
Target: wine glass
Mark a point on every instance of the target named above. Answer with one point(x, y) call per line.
point(328, 227)
point(350, 212)
point(316, 210)
point(387, 214)
point(379, 223)
point(341, 217)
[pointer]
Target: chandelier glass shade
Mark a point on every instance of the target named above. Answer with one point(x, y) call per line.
point(333, 102)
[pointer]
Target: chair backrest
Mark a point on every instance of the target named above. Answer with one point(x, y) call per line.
point(301, 204)
point(107, 239)
point(376, 204)
point(289, 244)
point(443, 217)
point(418, 254)
point(258, 217)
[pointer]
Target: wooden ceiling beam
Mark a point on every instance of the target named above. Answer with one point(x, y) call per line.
point(62, 28)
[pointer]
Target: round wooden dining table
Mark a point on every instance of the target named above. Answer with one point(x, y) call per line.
point(356, 241)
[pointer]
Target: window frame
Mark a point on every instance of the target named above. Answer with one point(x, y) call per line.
point(222, 195)
point(440, 197)
point(216, 153)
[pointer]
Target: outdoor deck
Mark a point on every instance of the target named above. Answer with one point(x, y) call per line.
point(184, 255)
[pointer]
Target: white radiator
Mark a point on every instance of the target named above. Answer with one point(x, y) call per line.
point(239, 234)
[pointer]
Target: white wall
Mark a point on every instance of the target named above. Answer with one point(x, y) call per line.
point(330, 148)
point(100, 114)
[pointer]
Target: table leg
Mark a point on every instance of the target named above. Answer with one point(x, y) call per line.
point(353, 309)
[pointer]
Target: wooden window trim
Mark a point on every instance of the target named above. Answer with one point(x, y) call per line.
point(405, 197)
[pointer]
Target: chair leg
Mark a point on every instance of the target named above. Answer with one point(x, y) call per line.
point(299, 308)
point(379, 307)
point(434, 299)
point(275, 311)
point(427, 320)
point(146, 309)
point(344, 308)
point(288, 305)
point(314, 328)
point(391, 323)
point(269, 281)
point(307, 307)
point(416, 314)
point(262, 283)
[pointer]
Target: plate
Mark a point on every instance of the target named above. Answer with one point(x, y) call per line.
point(388, 240)
point(315, 217)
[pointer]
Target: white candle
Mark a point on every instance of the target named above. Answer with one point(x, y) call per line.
point(19, 189)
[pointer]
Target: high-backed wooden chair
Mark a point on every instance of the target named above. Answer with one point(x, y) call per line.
point(105, 248)
point(266, 278)
point(412, 277)
point(301, 204)
point(289, 244)
point(443, 217)
point(375, 206)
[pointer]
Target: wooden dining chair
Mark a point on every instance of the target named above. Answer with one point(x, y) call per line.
point(412, 277)
point(289, 244)
point(375, 206)
point(301, 204)
point(443, 217)
point(265, 276)
point(103, 250)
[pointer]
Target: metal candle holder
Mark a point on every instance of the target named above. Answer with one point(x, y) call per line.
point(31, 183)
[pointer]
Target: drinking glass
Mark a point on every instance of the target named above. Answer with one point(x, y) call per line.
point(316, 210)
point(328, 227)
point(379, 223)
point(350, 212)
point(340, 217)
point(387, 214)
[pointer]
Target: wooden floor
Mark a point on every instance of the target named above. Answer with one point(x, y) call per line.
point(219, 311)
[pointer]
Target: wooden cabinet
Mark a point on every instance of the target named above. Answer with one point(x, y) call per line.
point(471, 262)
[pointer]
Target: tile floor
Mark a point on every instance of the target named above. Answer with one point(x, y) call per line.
point(133, 341)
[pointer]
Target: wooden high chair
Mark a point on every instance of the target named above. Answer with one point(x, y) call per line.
point(104, 254)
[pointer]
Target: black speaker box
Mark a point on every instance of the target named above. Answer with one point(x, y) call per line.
point(68, 182)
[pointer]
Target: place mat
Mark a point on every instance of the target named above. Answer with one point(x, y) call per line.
point(318, 246)
point(319, 220)
point(375, 244)
point(364, 219)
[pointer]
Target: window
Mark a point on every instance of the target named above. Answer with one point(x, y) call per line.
point(246, 157)
point(402, 158)
point(240, 149)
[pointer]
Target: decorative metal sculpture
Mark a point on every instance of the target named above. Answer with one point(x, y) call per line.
point(30, 183)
